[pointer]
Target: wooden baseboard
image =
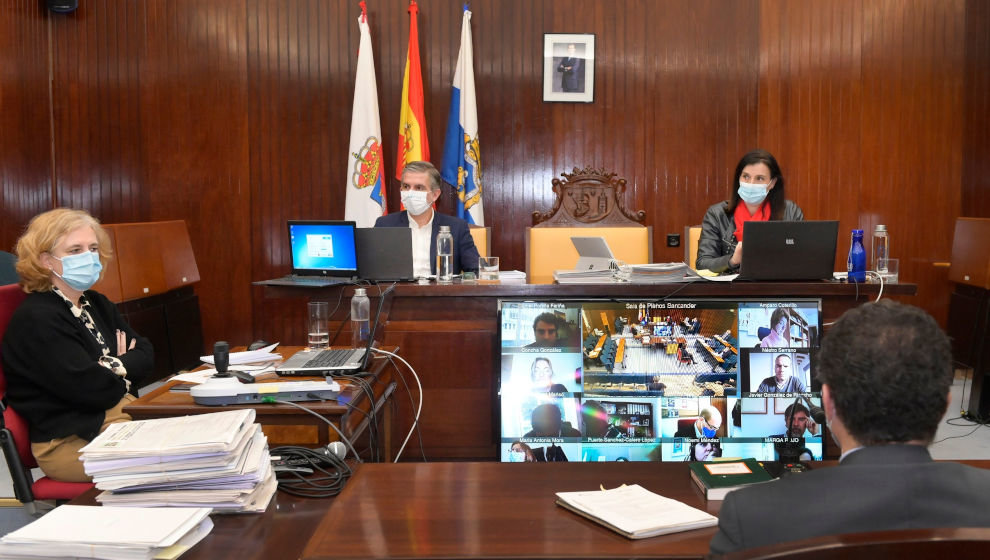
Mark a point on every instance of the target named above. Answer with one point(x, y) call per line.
point(10, 502)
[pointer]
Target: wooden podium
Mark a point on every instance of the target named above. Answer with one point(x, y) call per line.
point(969, 308)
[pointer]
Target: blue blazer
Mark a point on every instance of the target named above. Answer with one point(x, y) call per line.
point(465, 252)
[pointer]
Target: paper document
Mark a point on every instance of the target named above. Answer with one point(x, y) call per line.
point(635, 511)
point(107, 532)
point(200, 376)
point(260, 355)
point(201, 433)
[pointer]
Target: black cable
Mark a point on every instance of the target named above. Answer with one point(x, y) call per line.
point(372, 415)
point(330, 473)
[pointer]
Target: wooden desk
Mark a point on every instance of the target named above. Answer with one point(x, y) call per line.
point(727, 345)
point(598, 347)
point(450, 335)
point(285, 424)
point(456, 510)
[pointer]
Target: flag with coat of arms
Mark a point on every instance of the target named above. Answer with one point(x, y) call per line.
point(413, 143)
point(461, 151)
point(365, 200)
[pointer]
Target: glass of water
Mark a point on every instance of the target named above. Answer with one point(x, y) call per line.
point(488, 270)
point(319, 319)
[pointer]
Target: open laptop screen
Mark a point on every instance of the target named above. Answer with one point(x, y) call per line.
point(323, 248)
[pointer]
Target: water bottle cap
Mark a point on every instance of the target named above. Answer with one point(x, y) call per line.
point(359, 292)
point(444, 228)
point(880, 227)
point(857, 232)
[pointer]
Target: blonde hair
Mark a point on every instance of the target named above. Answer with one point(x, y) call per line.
point(43, 233)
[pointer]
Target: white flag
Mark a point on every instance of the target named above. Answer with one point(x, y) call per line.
point(365, 172)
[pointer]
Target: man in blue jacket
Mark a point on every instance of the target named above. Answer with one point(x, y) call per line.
point(419, 190)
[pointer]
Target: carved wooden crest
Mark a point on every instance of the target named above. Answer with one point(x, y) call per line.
point(587, 198)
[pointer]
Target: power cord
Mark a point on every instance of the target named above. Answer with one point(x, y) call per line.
point(419, 408)
point(412, 404)
point(343, 438)
point(333, 472)
point(879, 294)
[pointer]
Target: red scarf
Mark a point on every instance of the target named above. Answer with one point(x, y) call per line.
point(742, 215)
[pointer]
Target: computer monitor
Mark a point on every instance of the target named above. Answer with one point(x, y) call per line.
point(667, 380)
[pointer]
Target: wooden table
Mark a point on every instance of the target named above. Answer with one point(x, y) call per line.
point(286, 424)
point(457, 510)
point(450, 335)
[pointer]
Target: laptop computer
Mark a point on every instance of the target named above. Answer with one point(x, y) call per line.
point(384, 254)
point(323, 253)
point(593, 253)
point(778, 250)
point(328, 361)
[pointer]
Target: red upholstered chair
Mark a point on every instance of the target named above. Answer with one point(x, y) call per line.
point(14, 434)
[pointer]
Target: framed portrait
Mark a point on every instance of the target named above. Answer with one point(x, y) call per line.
point(569, 67)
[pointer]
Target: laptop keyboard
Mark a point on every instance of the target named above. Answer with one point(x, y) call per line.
point(330, 358)
point(315, 280)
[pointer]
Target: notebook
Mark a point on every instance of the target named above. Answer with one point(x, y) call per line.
point(329, 361)
point(778, 250)
point(384, 254)
point(323, 253)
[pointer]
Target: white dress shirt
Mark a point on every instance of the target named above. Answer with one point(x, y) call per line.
point(421, 237)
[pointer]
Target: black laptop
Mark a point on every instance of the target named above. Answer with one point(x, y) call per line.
point(778, 250)
point(323, 253)
point(384, 254)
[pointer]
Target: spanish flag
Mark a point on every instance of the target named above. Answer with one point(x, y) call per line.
point(413, 144)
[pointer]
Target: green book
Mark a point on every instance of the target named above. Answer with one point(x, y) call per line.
point(718, 478)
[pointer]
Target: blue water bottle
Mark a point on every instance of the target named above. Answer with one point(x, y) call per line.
point(856, 263)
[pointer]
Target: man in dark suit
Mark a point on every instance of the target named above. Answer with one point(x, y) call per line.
point(419, 190)
point(884, 395)
point(571, 68)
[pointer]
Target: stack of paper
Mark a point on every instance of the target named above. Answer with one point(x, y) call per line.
point(512, 277)
point(108, 532)
point(657, 273)
point(584, 276)
point(635, 512)
point(217, 460)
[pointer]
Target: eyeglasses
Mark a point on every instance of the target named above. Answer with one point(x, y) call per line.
point(546, 331)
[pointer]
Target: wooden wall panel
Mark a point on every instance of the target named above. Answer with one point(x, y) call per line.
point(235, 116)
point(976, 111)
point(25, 126)
point(911, 146)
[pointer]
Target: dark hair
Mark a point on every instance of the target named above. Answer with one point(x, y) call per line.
point(889, 368)
point(716, 450)
point(795, 408)
point(548, 318)
point(777, 315)
point(776, 196)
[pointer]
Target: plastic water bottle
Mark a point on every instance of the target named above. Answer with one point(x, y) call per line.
point(881, 249)
point(445, 256)
point(856, 263)
point(360, 318)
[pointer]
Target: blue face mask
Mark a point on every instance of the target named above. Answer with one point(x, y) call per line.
point(80, 271)
point(752, 193)
point(708, 432)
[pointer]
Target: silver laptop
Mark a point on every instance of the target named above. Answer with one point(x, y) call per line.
point(330, 361)
point(323, 253)
point(593, 253)
point(778, 250)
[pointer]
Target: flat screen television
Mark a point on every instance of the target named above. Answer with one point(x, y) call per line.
point(659, 380)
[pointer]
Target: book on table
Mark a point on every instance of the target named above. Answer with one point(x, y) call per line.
point(635, 512)
point(721, 477)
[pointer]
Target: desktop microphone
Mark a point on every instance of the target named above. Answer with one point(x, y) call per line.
point(221, 357)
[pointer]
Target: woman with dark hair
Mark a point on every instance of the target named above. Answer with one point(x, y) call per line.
point(758, 195)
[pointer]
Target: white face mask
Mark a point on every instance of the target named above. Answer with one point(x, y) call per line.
point(517, 457)
point(415, 202)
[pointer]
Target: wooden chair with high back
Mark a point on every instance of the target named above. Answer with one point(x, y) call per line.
point(589, 202)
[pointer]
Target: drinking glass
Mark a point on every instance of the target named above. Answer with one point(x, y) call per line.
point(319, 318)
point(488, 270)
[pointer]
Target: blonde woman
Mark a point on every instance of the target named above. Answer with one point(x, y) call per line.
point(69, 357)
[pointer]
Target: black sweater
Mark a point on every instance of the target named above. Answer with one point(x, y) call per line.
point(51, 362)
